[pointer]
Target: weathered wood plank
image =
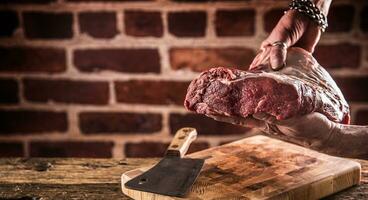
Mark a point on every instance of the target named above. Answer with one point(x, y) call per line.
point(64, 178)
point(70, 178)
point(61, 191)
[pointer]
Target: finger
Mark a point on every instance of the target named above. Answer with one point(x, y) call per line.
point(265, 117)
point(252, 123)
point(249, 122)
point(278, 57)
point(265, 44)
point(256, 60)
point(273, 120)
point(262, 58)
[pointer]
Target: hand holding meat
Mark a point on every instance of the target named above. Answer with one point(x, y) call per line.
point(300, 103)
point(300, 88)
point(317, 132)
point(293, 29)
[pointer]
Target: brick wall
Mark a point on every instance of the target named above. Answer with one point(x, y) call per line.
point(107, 78)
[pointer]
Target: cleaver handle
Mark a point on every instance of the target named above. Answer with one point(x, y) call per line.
point(181, 142)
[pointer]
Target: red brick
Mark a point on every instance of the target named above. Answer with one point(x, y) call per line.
point(120, 60)
point(235, 22)
point(11, 149)
point(198, 146)
point(203, 124)
point(26, 1)
point(90, 149)
point(9, 22)
point(340, 18)
point(117, 122)
point(145, 149)
point(9, 91)
point(98, 24)
point(364, 19)
point(200, 59)
point(271, 18)
point(66, 91)
point(47, 25)
point(29, 59)
point(353, 88)
point(157, 149)
point(361, 117)
point(143, 23)
point(151, 92)
point(343, 55)
point(32, 121)
point(187, 24)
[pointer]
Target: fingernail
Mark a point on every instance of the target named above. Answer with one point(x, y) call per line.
point(278, 67)
point(274, 67)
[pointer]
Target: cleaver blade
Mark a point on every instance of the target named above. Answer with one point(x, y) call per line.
point(173, 175)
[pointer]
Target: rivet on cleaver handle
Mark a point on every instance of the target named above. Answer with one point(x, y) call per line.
point(181, 142)
point(173, 175)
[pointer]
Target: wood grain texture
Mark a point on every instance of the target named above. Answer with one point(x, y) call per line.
point(263, 168)
point(72, 178)
point(181, 142)
point(61, 178)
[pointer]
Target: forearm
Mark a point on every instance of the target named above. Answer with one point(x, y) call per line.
point(347, 141)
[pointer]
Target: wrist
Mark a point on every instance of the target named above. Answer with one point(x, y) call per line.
point(313, 12)
point(323, 5)
point(333, 136)
point(299, 17)
point(347, 141)
point(330, 138)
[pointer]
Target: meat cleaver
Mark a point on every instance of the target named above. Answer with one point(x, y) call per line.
point(173, 175)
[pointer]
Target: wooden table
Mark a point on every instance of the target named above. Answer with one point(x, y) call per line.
point(70, 178)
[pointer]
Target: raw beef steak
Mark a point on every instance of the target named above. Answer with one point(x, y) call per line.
point(302, 87)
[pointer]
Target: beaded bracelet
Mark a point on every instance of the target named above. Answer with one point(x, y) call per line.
point(308, 8)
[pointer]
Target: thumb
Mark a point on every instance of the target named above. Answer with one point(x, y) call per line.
point(278, 56)
point(277, 43)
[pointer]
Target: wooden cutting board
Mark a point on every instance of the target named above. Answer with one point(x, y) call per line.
point(260, 167)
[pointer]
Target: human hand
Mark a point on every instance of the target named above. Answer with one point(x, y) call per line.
point(317, 132)
point(312, 130)
point(293, 29)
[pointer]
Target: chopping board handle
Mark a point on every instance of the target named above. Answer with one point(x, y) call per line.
point(181, 142)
